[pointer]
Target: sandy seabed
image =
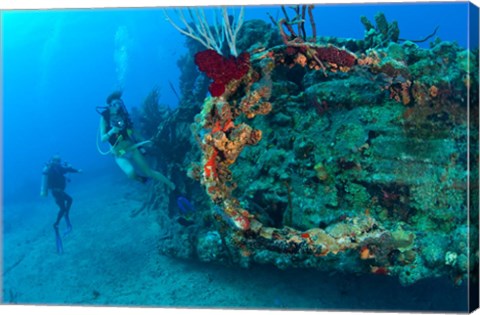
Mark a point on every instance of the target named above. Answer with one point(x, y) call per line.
point(111, 259)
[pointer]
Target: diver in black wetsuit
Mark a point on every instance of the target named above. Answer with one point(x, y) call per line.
point(55, 180)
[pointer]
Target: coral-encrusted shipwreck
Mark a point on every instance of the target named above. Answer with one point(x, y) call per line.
point(223, 141)
point(336, 185)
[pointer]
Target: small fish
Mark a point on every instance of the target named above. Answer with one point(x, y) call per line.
point(184, 205)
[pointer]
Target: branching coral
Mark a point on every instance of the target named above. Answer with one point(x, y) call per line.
point(308, 52)
point(199, 29)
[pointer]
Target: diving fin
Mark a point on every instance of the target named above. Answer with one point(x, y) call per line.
point(58, 241)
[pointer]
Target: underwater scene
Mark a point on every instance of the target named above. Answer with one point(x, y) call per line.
point(283, 157)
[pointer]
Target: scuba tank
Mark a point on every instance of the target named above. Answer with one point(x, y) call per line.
point(44, 185)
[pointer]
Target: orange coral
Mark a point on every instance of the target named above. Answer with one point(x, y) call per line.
point(301, 59)
point(217, 127)
point(365, 253)
point(226, 126)
point(211, 166)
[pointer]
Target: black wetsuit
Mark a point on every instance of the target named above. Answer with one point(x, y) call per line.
point(57, 183)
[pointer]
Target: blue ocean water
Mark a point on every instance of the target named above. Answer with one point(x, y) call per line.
point(58, 65)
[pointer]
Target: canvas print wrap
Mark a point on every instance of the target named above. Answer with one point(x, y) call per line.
point(317, 153)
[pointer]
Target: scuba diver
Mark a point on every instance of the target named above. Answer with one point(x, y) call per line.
point(117, 128)
point(54, 179)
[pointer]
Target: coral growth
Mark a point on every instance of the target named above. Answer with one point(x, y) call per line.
point(336, 56)
point(382, 34)
point(222, 70)
point(324, 157)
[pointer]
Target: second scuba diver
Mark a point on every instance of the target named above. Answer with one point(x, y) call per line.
point(55, 180)
point(117, 128)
